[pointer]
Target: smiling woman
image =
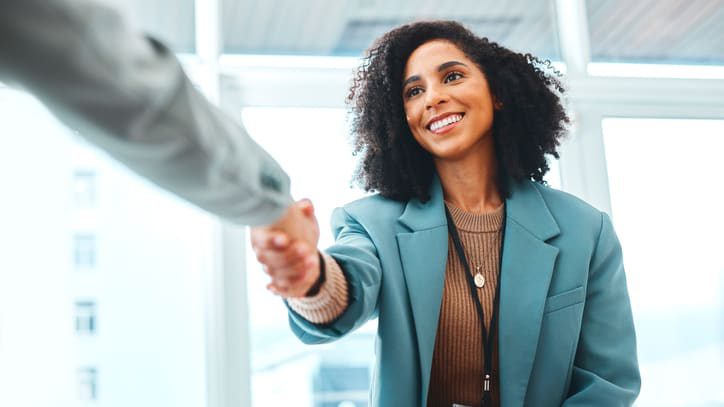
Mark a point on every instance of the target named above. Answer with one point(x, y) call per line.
point(490, 288)
point(518, 97)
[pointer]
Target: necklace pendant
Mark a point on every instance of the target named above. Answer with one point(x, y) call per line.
point(479, 280)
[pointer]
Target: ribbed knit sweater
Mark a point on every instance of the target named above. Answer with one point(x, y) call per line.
point(457, 362)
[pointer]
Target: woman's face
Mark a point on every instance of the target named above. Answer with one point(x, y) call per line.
point(447, 101)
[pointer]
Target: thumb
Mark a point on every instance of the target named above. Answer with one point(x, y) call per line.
point(307, 207)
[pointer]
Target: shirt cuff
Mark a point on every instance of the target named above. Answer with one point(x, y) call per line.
point(331, 300)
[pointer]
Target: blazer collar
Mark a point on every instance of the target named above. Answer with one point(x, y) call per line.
point(525, 206)
point(428, 215)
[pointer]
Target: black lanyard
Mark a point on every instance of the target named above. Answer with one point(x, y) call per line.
point(487, 336)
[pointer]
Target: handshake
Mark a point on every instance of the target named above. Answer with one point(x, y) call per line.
point(287, 250)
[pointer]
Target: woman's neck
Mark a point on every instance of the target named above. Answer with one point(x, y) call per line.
point(470, 183)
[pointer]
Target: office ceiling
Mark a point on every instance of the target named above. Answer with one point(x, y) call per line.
point(333, 27)
point(652, 31)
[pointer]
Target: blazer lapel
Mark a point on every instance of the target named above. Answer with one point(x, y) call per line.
point(423, 252)
point(528, 263)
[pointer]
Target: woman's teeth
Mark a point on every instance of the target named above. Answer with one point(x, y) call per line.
point(438, 124)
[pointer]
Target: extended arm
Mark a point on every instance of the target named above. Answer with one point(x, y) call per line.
point(356, 255)
point(127, 94)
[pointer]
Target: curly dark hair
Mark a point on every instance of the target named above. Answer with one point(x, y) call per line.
point(529, 124)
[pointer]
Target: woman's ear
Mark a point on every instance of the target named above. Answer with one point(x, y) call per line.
point(497, 105)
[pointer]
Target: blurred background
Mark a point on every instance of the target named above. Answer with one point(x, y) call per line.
point(114, 293)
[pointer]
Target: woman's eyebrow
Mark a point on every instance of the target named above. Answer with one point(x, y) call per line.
point(440, 68)
point(412, 78)
point(448, 64)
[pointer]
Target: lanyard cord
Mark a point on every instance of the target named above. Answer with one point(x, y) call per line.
point(486, 336)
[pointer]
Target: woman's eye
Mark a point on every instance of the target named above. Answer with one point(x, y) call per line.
point(452, 76)
point(413, 92)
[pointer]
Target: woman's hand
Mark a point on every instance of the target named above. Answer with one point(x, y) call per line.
point(287, 250)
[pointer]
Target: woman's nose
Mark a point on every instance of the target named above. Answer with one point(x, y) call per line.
point(434, 96)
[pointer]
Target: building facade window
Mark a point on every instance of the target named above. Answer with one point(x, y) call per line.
point(84, 188)
point(88, 383)
point(84, 251)
point(86, 320)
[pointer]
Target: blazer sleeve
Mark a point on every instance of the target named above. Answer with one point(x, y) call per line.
point(357, 256)
point(605, 369)
point(127, 94)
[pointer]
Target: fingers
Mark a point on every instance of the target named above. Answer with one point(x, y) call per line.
point(297, 286)
point(293, 268)
point(292, 271)
point(298, 222)
point(295, 279)
point(283, 258)
point(287, 250)
point(265, 238)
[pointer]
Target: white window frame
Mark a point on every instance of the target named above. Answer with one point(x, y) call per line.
point(228, 381)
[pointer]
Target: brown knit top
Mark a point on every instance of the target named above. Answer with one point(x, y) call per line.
point(457, 364)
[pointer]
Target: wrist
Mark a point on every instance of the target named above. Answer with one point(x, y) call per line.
point(317, 286)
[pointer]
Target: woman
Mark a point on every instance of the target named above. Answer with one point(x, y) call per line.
point(490, 288)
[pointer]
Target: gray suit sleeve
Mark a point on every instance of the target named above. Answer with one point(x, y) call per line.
point(127, 94)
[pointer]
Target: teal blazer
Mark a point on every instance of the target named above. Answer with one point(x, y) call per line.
point(566, 333)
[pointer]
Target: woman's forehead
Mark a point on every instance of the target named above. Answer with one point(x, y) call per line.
point(430, 55)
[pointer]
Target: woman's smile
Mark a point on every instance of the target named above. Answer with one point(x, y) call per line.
point(444, 123)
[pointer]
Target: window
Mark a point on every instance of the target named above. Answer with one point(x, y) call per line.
point(553, 176)
point(85, 317)
point(84, 251)
point(667, 199)
point(656, 31)
point(87, 384)
point(84, 188)
point(283, 370)
point(336, 386)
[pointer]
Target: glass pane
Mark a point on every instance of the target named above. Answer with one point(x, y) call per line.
point(656, 31)
point(312, 145)
point(88, 384)
point(667, 199)
point(330, 27)
point(84, 251)
point(171, 21)
point(130, 330)
point(553, 177)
